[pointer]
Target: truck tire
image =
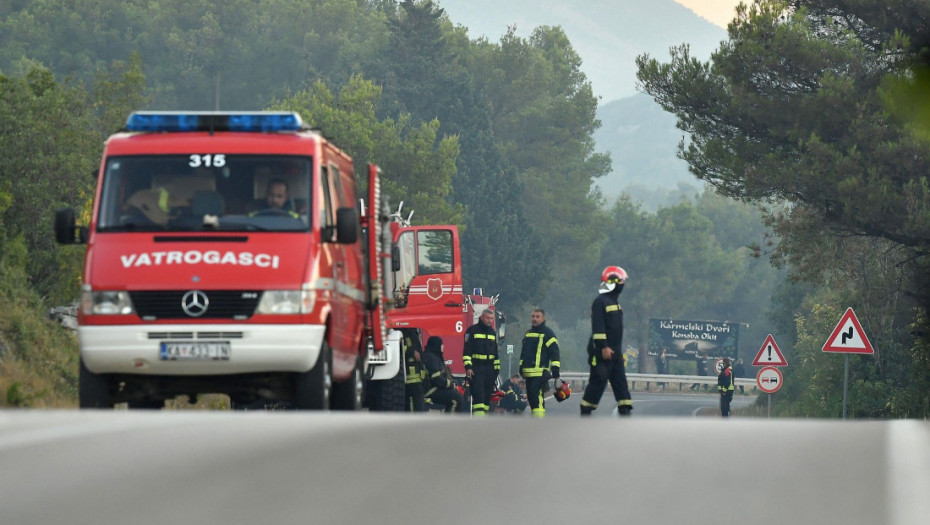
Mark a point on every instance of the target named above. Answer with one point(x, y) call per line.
point(349, 394)
point(387, 395)
point(314, 387)
point(93, 389)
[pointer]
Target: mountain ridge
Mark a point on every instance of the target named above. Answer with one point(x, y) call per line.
point(608, 36)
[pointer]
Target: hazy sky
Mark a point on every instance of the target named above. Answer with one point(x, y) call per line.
point(720, 12)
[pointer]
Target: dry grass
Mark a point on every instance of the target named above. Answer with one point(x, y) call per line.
point(38, 361)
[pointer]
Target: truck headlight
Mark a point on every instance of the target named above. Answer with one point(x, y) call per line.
point(105, 303)
point(286, 302)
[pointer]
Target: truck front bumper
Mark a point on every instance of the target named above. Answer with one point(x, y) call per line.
point(134, 349)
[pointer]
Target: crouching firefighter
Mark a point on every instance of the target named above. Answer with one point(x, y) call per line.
point(440, 390)
point(539, 361)
point(604, 347)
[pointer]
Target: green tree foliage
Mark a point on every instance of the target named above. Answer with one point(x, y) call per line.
point(427, 71)
point(199, 53)
point(244, 54)
point(688, 261)
point(45, 137)
point(50, 139)
point(684, 265)
point(417, 165)
point(496, 137)
point(544, 118)
point(795, 108)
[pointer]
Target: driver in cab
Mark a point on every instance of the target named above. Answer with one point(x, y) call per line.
point(278, 198)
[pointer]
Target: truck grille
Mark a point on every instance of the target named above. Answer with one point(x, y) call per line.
point(221, 304)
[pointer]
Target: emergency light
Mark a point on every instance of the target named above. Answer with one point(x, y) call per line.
point(258, 121)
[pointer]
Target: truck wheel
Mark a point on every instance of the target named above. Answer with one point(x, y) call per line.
point(314, 387)
point(349, 394)
point(93, 389)
point(388, 395)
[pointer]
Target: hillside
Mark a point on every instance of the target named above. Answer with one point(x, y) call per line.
point(608, 35)
point(643, 141)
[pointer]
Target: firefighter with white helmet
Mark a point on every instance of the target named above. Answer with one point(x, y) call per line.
point(604, 348)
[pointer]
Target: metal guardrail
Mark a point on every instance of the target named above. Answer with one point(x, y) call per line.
point(650, 379)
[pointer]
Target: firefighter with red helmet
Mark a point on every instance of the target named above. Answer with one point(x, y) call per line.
point(539, 361)
point(604, 348)
point(482, 363)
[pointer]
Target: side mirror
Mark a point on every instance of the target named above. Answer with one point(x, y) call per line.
point(346, 225)
point(65, 226)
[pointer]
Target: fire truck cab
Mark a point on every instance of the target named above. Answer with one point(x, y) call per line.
point(223, 255)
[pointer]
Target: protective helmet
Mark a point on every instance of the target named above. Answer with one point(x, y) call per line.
point(611, 277)
point(563, 391)
point(613, 274)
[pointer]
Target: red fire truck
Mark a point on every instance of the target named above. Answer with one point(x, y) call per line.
point(423, 290)
point(224, 256)
point(426, 288)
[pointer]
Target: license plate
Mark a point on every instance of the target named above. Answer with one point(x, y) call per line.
point(217, 351)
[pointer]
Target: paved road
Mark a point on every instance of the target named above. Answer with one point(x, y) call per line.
point(650, 404)
point(229, 468)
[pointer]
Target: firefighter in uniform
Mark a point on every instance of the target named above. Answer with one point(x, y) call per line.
point(539, 361)
point(604, 347)
point(725, 386)
point(413, 355)
point(440, 389)
point(481, 361)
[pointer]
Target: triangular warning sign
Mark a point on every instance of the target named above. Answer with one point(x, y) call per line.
point(848, 337)
point(769, 354)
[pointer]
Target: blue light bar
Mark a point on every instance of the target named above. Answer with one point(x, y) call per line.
point(264, 121)
point(162, 122)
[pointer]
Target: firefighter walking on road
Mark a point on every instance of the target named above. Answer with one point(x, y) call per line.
point(725, 386)
point(539, 361)
point(604, 347)
point(481, 361)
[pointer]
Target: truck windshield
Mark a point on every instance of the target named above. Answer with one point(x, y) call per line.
point(205, 192)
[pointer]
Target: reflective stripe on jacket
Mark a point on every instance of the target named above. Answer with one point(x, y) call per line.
point(540, 351)
point(725, 380)
point(606, 327)
point(480, 346)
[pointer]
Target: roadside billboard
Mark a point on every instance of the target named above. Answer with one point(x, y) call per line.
point(691, 340)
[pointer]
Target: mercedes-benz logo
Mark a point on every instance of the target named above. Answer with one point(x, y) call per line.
point(195, 303)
